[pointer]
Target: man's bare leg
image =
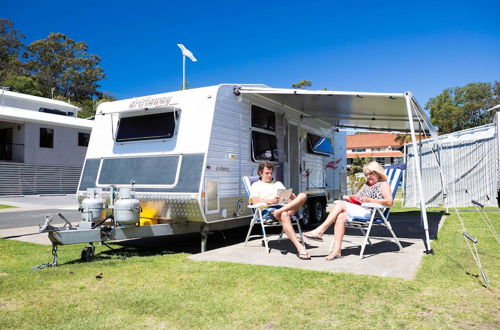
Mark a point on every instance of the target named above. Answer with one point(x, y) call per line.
point(293, 205)
point(286, 223)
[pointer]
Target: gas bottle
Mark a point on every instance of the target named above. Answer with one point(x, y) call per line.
point(92, 207)
point(127, 208)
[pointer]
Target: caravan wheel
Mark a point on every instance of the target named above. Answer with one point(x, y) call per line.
point(87, 253)
point(306, 214)
point(319, 210)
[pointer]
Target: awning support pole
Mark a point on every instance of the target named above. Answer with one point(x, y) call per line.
point(416, 158)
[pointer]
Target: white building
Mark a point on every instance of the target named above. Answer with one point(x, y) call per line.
point(381, 147)
point(42, 144)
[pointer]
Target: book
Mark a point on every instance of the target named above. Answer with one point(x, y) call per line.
point(353, 199)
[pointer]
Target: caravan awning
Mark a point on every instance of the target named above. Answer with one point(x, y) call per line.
point(372, 111)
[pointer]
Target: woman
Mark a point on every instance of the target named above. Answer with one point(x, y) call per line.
point(375, 190)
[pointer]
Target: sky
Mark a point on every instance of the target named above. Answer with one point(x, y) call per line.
point(370, 46)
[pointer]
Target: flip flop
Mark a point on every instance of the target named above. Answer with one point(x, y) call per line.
point(334, 258)
point(271, 215)
point(304, 256)
point(313, 237)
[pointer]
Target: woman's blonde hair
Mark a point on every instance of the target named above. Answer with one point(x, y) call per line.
point(377, 168)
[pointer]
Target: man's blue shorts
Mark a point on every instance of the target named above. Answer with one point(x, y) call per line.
point(265, 212)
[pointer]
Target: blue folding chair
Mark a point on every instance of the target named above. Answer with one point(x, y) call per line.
point(263, 218)
point(379, 214)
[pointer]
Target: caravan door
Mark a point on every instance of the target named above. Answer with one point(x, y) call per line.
point(294, 157)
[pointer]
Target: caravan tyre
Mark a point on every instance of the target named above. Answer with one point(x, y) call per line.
point(319, 210)
point(87, 253)
point(306, 214)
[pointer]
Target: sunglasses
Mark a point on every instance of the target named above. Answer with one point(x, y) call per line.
point(369, 173)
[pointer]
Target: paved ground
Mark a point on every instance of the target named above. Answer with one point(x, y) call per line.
point(39, 202)
point(22, 222)
point(382, 259)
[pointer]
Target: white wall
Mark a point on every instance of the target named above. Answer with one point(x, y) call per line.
point(66, 151)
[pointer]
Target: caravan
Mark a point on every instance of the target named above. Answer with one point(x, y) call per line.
point(181, 156)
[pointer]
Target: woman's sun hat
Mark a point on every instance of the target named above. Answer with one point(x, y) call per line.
point(377, 168)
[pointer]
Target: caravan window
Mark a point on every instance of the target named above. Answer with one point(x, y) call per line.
point(262, 118)
point(264, 143)
point(319, 145)
point(264, 147)
point(146, 127)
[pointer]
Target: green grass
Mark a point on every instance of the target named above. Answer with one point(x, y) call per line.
point(161, 289)
point(5, 206)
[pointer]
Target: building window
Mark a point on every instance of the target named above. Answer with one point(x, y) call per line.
point(46, 138)
point(83, 139)
point(358, 150)
point(264, 141)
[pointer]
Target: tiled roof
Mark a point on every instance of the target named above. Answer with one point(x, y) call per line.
point(375, 154)
point(371, 140)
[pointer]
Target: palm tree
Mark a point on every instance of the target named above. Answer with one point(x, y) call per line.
point(402, 139)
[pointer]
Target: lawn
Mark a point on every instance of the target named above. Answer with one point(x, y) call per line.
point(164, 289)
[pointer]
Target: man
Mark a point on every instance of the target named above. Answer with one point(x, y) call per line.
point(266, 191)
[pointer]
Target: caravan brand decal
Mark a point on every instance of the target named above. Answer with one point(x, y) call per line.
point(333, 164)
point(146, 102)
point(221, 169)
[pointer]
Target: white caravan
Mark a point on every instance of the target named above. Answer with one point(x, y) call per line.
point(184, 153)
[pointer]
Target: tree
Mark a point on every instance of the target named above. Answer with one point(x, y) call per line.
point(459, 108)
point(11, 49)
point(302, 84)
point(186, 86)
point(65, 65)
point(356, 181)
point(402, 139)
point(23, 84)
point(89, 106)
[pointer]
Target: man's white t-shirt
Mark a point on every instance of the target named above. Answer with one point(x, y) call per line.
point(264, 190)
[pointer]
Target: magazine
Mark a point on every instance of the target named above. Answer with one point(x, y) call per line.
point(284, 195)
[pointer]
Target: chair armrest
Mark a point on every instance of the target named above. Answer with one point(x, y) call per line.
point(373, 205)
point(254, 206)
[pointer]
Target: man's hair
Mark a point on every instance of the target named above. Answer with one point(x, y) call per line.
point(264, 165)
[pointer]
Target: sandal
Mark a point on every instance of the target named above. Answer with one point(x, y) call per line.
point(273, 217)
point(338, 256)
point(313, 237)
point(304, 256)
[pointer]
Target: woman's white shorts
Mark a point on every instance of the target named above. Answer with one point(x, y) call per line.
point(356, 211)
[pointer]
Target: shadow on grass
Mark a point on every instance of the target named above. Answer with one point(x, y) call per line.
point(476, 277)
point(167, 245)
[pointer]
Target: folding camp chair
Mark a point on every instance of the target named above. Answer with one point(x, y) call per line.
point(379, 214)
point(263, 218)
